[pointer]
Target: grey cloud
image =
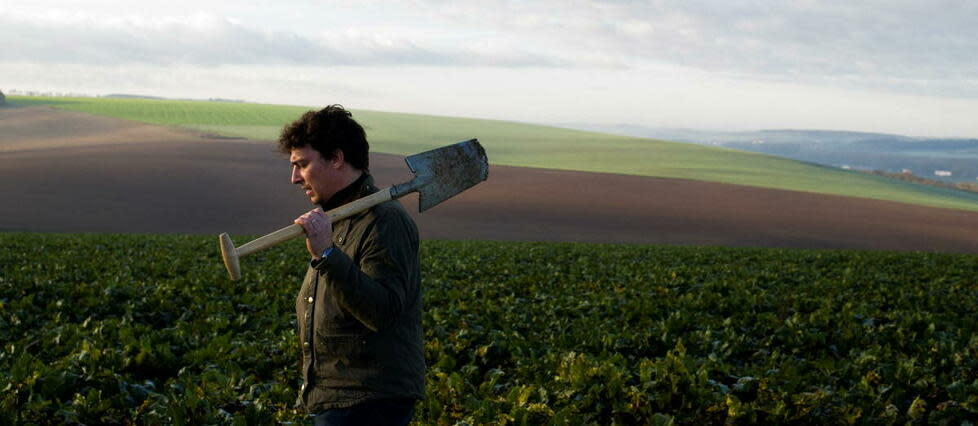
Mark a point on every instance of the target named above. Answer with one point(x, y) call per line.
point(222, 42)
point(907, 46)
point(921, 47)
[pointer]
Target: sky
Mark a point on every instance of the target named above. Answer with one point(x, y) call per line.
point(893, 66)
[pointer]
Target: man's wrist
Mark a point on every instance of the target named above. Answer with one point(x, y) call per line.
point(321, 259)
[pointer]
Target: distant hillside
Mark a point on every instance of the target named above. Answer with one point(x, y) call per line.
point(528, 145)
point(158, 98)
point(910, 177)
point(856, 150)
point(128, 96)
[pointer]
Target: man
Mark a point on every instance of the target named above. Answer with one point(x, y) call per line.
point(359, 308)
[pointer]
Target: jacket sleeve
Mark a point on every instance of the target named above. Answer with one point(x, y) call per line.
point(377, 290)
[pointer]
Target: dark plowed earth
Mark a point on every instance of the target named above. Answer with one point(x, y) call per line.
point(135, 178)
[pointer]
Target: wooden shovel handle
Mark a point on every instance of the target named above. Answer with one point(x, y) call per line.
point(354, 207)
point(295, 230)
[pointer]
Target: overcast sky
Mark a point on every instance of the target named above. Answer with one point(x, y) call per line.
point(892, 66)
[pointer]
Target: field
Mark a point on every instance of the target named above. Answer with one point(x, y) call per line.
point(147, 329)
point(519, 144)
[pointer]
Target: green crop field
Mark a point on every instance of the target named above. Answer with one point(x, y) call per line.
point(520, 144)
point(141, 329)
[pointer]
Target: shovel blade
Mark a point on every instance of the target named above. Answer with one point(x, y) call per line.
point(447, 171)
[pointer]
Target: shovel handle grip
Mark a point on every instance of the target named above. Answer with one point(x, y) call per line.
point(294, 230)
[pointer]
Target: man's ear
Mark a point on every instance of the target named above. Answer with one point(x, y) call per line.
point(337, 160)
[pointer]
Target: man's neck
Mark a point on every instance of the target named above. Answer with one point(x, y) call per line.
point(353, 176)
point(349, 191)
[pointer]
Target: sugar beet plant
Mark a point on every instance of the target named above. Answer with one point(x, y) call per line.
point(115, 329)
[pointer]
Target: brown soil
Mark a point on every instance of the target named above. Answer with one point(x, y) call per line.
point(39, 128)
point(70, 172)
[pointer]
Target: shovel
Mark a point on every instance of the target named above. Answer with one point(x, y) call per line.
point(439, 174)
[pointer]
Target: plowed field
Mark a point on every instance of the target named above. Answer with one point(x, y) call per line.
point(71, 172)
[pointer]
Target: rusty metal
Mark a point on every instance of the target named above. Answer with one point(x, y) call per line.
point(444, 172)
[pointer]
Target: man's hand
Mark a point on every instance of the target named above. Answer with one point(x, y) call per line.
point(319, 231)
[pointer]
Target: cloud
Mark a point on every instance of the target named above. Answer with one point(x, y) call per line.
point(902, 45)
point(206, 40)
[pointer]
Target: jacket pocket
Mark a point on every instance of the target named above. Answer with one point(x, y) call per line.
point(343, 350)
point(344, 362)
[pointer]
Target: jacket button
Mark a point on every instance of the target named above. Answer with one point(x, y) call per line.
point(340, 239)
point(305, 344)
point(309, 299)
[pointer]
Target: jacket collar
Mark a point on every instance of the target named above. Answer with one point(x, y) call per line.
point(364, 185)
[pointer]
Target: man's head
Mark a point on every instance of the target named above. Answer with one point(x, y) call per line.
point(328, 150)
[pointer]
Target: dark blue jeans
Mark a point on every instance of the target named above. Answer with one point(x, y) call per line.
point(380, 412)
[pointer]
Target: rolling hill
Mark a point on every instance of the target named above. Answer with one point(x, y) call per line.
point(922, 156)
point(528, 145)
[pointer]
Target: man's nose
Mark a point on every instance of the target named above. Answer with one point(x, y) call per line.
point(296, 177)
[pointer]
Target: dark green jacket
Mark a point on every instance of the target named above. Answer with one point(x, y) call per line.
point(359, 311)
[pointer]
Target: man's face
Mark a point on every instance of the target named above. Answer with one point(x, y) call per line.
point(318, 176)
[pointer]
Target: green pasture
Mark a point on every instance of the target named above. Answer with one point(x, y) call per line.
point(528, 145)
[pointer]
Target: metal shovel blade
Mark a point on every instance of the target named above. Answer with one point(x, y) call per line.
point(446, 171)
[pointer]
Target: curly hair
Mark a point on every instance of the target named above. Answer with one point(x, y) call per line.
point(327, 130)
